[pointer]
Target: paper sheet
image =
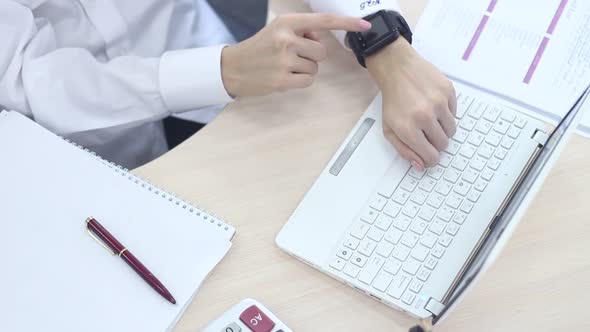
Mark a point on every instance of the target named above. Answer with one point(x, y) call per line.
point(534, 52)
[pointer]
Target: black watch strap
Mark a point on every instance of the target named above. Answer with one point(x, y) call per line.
point(398, 27)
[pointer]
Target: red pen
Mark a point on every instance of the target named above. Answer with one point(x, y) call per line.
point(104, 238)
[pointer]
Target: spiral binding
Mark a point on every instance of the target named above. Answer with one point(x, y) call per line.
point(172, 198)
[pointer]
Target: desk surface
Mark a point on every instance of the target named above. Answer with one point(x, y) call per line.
point(255, 162)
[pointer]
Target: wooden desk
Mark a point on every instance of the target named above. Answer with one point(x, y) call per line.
point(255, 162)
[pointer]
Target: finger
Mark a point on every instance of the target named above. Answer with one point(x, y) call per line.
point(404, 150)
point(299, 81)
point(311, 49)
point(453, 100)
point(304, 66)
point(302, 23)
point(448, 124)
point(417, 141)
point(437, 136)
point(312, 35)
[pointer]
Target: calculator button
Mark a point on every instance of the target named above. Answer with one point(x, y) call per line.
point(256, 320)
point(233, 327)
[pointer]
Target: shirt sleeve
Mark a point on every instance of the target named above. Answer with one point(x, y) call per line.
point(358, 8)
point(69, 90)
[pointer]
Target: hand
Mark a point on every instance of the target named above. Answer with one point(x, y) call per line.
point(419, 103)
point(283, 55)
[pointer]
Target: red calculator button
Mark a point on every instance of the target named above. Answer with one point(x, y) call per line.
point(256, 320)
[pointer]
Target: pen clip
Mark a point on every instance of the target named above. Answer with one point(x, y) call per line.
point(97, 239)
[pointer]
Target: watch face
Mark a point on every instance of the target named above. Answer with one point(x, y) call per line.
point(378, 30)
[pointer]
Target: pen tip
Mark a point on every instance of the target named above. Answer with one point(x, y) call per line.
point(173, 301)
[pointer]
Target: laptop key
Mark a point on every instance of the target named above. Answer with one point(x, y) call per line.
point(438, 251)
point(446, 213)
point(358, 260)
point(384, 249)
point(494, 139)
point(344, 253)
point(399, 285)
point(467, 151)
point(492, 114)
point(401, 196)
point(513, 132)
point(392, 209)
point(409, 184)
point(431, 263)
point(410, 239)
point(360, 230)
point(520, 122)
point(459, 218)
point(351, 243)
point(437, 227)
point(454, 201)
point(402, 223)
point(416, 173)
point(423, 274)
point(352, 270)
point(473, 196)
point(502, 126)
point(445, 159)
point(427, 213)
point(452, 229)
point(408, 298)
point(393, 236)
point(369, 215)
point(401, 252)
point(418, 226)
point(375, 234)
point(378, 202)
point(428, 239)
point(462, 188)
point(445, 240)
point(420, 253)
point(453, 147)
point(494, 164)
point(411, 209)
point(435, 200)
point(436, 172)
point(451, 175)
point(392, 266)
point(461, 135)
point(419, 197)
point(383, 222)
point(467, 124)
point(370, 271)
point(338, 263)
point(416, 285)
point(382, 281)
point(487, 174)
point(367, 247)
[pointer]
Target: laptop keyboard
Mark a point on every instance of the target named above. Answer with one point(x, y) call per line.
point(406, 229)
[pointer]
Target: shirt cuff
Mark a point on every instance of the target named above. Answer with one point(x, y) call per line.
point(191, 78)
point(351, 8)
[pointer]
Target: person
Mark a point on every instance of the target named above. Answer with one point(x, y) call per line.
point(105, 73)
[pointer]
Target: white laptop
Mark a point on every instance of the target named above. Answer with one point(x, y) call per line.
point(414, 240)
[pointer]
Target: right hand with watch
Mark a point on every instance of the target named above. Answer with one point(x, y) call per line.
point(419, 102)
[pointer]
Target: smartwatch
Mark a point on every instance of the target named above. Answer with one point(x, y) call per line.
point(387, 27)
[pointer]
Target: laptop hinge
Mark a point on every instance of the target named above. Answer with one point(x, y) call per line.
point(540, 137)
point(434, 307)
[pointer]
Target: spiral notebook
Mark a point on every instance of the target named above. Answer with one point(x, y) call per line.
point(55, 277)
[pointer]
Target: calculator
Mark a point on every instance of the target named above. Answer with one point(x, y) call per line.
point(247, 316)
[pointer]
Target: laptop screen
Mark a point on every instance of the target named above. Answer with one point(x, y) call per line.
point(479, 260)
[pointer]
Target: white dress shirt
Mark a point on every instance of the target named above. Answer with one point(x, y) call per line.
point(103, 73)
